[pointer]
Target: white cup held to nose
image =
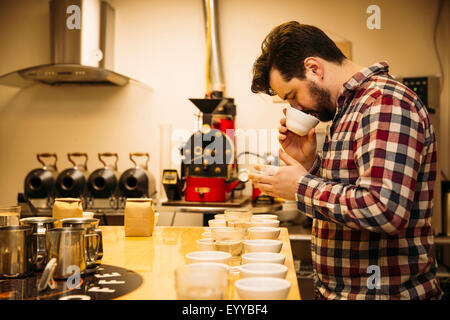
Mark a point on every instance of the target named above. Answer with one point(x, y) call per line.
point(299, 122)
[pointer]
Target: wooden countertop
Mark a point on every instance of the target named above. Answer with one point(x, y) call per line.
point(155, 258)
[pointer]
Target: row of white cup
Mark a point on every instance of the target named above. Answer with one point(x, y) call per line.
point(262, 272)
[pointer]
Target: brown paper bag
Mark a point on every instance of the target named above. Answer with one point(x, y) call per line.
point(67, 208)
point(139, 217)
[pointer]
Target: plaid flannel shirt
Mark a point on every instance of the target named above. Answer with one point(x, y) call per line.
point(370, 194)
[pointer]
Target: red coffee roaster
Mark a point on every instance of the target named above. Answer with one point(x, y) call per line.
point(208, 168)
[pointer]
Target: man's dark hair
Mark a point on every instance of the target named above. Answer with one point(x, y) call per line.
point(286, 47)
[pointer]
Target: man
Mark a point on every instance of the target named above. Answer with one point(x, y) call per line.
point(370, 193)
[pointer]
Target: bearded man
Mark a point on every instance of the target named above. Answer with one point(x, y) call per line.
point(370, 192)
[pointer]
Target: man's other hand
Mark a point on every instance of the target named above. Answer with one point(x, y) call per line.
point(284, 182)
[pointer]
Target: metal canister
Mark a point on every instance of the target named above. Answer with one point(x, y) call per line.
point(71, 182)
point(102, 183)
point(68, 247)
point(40, 182)
point(40, 226)
point(16, 252)
point(90, 225)
point(138, 182)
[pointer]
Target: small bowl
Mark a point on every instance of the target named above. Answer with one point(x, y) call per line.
point(209, 229)
point(208, 256)
point(299, 122)
point(206, 235)
point(263, 245)
point(263, 269)
point(238, 214)
point(263, 288)
point(265, 223)
point(205, 244)
point(219, 216)
point(200, 265)
point(217, 223)
point(255, 257)
point(227, 233)
point(263, 233)
point(265, 216)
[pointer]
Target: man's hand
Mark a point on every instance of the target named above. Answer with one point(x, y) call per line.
point(284, 182)
point(301, 148)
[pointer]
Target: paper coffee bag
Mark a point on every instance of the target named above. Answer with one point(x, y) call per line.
point(139, 217)
point(67, 208)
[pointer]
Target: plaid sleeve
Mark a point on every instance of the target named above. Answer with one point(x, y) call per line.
point(316, 165)
point(313, 172)
point(387, 152)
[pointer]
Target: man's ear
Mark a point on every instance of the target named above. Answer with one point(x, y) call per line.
point(313, 67)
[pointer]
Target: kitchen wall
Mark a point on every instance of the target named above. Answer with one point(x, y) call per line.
point(162, 44)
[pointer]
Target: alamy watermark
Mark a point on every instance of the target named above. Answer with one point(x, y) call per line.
point(74, 20)
point(74, 279)
point(374, 20)
point(373, 282)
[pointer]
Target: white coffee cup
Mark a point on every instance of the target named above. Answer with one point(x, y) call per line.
point(268, 170)
point(262, 288)
point(299, 122)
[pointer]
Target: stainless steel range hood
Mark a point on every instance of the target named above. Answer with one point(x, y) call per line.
point(82, 47)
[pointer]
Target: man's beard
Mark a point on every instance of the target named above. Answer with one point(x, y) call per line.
point(324, 109)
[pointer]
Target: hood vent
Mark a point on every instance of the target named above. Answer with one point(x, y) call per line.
point(82, 47)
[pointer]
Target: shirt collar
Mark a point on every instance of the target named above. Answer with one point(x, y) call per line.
point(358, 78)
point(355, 82)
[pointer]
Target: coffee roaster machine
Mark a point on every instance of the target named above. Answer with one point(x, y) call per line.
point(39, 186)
point(104, 189)
point(209, 166)
point(209, 170)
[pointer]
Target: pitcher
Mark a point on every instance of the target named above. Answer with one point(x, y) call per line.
point(68, 246)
